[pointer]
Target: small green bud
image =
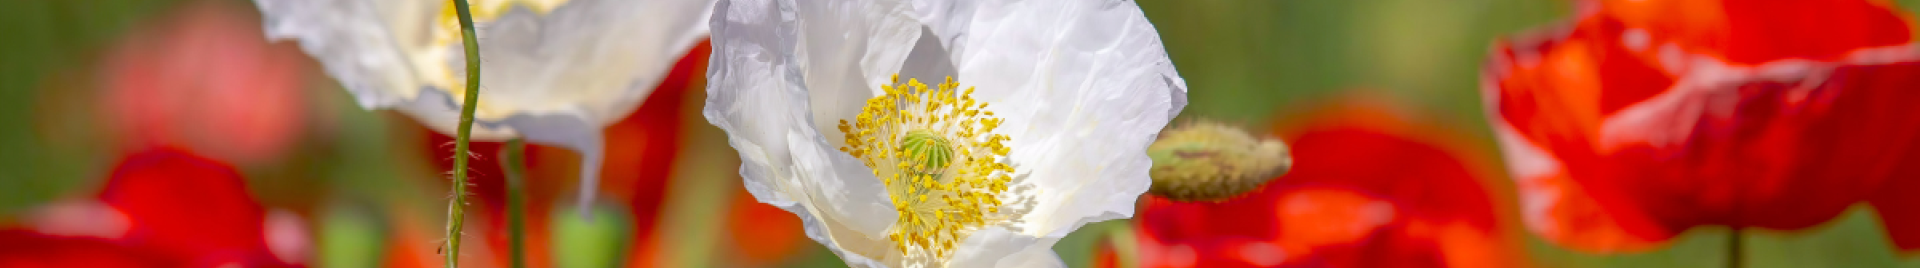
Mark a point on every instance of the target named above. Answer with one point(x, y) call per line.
point(1207, 161)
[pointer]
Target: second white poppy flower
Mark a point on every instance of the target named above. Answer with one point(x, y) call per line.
point(942, 133)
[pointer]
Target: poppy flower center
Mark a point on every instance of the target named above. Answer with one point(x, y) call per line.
point(935, 150)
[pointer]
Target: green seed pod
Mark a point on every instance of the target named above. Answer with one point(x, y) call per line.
point(1207, 161)
point(926, 153)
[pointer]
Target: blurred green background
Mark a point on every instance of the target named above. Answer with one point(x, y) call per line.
point(1250, 62)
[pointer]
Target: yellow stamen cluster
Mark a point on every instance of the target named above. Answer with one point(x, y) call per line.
point(936, 152)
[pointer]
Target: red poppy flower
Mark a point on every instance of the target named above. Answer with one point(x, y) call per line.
point(1646, 118)
point(165, 208)
point(1366, 190)
point(185, 205)
point(205, 79)
point(23, 249)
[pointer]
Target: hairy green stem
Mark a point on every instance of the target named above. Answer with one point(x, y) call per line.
point(456, 212)
point(511, 158)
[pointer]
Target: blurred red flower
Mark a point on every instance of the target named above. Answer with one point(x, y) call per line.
point(205, 79)
point(1366, 190)
point(24, 249)
point(188, 206)
point(162, 207)
point(763, 235)
point(1646, 118)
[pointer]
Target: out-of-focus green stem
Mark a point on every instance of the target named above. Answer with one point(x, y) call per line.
point(1734, 248)
point(456, 212)
point(1126, 249)
point(511, 158)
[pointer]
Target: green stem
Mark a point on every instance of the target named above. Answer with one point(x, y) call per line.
point(511, 158)
point(1126, 249)
point(1734, 258)
point(456, 212)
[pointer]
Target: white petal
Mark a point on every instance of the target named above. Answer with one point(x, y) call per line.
point(758, 94)
point(1037, 255)
point(571, 132)
point(595, 58)
point(438, 111)
point(946, 20)
point(1083, 93)
point(568, 74)
point(557, 79)
point(999, 247)
point(845, 191)
point(352, 39)
point(930, 62)
point(848, 48)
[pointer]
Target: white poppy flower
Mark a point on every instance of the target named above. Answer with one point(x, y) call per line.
point(1033, 120)
point(554, 71)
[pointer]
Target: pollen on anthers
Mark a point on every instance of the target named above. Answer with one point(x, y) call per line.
point(943, 166)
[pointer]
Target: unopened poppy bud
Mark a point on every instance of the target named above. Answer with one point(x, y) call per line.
point(1208, 161)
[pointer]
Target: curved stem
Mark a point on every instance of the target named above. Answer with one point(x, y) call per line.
point(511, 158)
point(456, 212)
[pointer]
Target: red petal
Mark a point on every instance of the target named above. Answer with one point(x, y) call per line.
point(764, 235)
point(21, 249)
point(1898, 206)
point(1756, 32)
point(1619, 139)
point(1219, 251)
point(188, 207)
point(1339, 208)
point(1315, 218)
point(1431, 209)
point(1550, 103)
point(1104, 256)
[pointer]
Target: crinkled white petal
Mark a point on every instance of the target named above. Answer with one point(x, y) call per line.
point(1083, 95)
point(947, 21)
point(554, 79)
point(761, 91)
point(846, 50)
